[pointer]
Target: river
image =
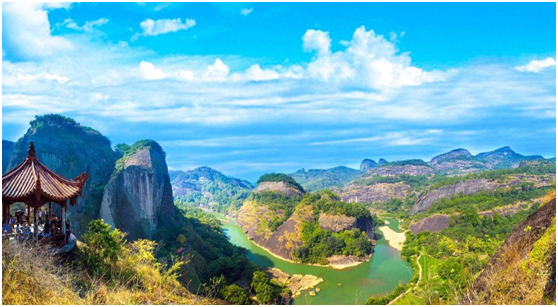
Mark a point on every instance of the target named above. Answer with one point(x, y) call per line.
point(380, 275)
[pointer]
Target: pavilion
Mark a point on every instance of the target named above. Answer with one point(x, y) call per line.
point(35, 185)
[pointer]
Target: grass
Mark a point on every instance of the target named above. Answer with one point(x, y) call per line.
point(32, 276)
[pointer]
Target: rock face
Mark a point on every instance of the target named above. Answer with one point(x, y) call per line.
point(284, 239)
point(319, 179)
point(367, 164)
point(69, 149)
point(338, 223)
point(138, 197)
point(296, 283)
point(456, 153)
point(278, 186)
point(7, 151)
point(434, 223)
point(523, 269)
point(467, 187)
point(206, 187)
point(394, 170)
point(379, 192)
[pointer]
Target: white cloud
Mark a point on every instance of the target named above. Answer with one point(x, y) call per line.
point(316, 40)
point(256, 73)
point(26, 31)
point(88, 27)
point(536, 66)
point(148, 71)
point(369, 60)
point(152, 27)
point(218, 71)
point(246, 11)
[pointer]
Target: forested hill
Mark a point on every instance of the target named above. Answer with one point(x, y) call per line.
point(207, 188)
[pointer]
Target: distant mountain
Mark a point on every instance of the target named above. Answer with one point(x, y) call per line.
point(367, 164)
point(319, 179)
point(7, 151)
point(504, 157)
point(206, 187)
point(460, 161)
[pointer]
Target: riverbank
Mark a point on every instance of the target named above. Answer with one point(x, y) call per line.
point(395, 239)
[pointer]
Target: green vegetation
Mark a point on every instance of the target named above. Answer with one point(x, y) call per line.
point(317, 179)
point(205, 187)
point(319, 243)
point(274, 177)
point(267, 290)
point(276, 202)
point(123, 151)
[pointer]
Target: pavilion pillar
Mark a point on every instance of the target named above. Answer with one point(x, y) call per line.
point(49, 212)
point(35, 226)
point(28, 214)
point(64, 218)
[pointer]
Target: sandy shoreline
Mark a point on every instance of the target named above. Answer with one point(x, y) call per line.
point(395, 239)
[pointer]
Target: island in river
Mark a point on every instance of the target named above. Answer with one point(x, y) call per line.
point(353, 285)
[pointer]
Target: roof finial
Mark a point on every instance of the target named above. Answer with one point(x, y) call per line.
point(31, 149)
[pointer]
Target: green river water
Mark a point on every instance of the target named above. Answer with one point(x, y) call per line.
point(380, 275)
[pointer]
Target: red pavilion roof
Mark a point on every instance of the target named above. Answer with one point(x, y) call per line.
point(33, 183)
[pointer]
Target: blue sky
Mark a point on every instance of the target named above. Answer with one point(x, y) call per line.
point(250, 88)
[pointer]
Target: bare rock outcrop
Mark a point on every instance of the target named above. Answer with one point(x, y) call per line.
point(434, 223)
point(379, 192)
point(138, 197)
point(408, 169)
point(278, 186)
point(336, 223)
point(252, 217)
point(466, 187)
point(296, 283)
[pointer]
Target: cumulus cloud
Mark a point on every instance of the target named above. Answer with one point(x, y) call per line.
point(369, 60)
point(152, 27)
point(148, 71)
point(246, 11)
point(218, 71)
point(537, 66)
point(26, 31)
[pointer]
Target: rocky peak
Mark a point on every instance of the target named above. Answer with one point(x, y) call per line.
point(460, 152)
point(138, 198)
point(367, 164)
point(280, 183)
point(382, 161)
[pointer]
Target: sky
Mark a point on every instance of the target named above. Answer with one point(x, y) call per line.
point(253, 88)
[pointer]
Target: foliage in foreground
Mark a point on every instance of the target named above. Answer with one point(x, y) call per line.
point(32, 276)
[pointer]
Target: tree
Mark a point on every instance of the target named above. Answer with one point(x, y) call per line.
point(102, 247)
point(235, 295)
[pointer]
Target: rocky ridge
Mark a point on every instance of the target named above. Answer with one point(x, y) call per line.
point(138, 197)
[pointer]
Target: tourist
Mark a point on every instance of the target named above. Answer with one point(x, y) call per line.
point(7, 229)
point(19, 218)
point(26, 232)
point(40, 213)
point(12, 220)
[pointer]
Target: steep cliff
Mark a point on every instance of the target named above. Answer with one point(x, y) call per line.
point(69, 149)
point(504, 157)
point(138, 197)
point(378, 192)
point(279, 187)
point(467, 187)
point(523, 269)
point(208, 188)
point(7, 151)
